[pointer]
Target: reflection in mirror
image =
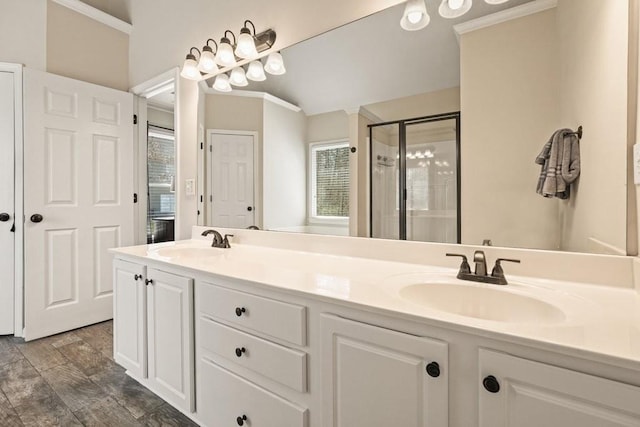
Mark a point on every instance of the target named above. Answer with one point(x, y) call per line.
point(515, 76)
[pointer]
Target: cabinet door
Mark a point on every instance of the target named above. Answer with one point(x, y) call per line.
point(170, 320)
point(378, 377)
point(532, 394)
point(130, 317)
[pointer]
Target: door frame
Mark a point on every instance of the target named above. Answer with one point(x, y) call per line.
point(257, 205)
point(18, 281)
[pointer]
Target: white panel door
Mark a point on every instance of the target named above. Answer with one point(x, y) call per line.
point(130, 317)
point(170, 335)
point(7, 250)
point(376, 377)
point(78, 180)
point(231, 194)
point(522, 393)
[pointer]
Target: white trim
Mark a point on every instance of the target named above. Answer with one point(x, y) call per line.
point(257, 206)
point(311, 202)
point(504, 16)
point(154, 85)
point(369, 115)
point(97, 15)
point(18, 308)
point(251, 94)
point(159, 108)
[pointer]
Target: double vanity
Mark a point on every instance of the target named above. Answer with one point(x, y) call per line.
point(286, 329)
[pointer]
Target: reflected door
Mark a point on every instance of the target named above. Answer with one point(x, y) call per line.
point(78, 199)
point(415, 177)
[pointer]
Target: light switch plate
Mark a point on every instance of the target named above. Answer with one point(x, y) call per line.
point(636, 164)
point(190, 187)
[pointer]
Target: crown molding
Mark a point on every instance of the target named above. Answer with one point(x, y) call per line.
point(251, 94)
point(97, 15)
point(504, 16)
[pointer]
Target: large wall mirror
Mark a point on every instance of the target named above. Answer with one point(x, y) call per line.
point(280, 152)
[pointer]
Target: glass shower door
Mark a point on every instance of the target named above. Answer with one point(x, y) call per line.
point(385, 168)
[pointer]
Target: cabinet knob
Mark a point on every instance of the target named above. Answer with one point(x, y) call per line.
point(4, 217)
point(241, 420)
point(147, 281)
point(240, 310)
point(491, 384)
point(240, 351)
point(137, 277)
point(36, 218)
point(433, 369)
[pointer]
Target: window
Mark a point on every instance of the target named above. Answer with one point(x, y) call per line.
point(329, 181)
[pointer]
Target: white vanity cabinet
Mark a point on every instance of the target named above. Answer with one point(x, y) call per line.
point(377, 377)
point(153, 330)
point(515, 392)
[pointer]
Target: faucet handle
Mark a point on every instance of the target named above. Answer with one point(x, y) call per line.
point(225, 241)
point(497, 269)
point(464, 266)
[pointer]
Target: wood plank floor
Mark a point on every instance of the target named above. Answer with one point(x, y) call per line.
point(71, 379)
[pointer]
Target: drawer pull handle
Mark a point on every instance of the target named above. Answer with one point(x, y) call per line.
point(137, 277)
point(240, 310)
point(491, 384)
point(148, 281)
point(240, 351)
point(433, 369)
point(241, 420)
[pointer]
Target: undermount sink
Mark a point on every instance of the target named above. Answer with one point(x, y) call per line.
point(482, 302)
point(189, 252)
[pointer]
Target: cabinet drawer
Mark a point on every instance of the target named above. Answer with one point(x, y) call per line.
point(284, 365)
point(275, 318)
point(224, 396)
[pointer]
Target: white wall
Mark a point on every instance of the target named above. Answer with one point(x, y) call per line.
point(284, 166)
point(23, 26)
point(328, 126)
point(186, 155)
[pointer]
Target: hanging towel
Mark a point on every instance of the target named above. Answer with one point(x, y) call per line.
point(560, 161)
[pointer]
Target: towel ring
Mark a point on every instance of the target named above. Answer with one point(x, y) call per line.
point(578, 133)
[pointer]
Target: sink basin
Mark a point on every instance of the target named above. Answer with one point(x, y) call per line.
point(189, 252)
point(482, 302)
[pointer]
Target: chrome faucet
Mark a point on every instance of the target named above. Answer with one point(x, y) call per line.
point(480, 274)
point(218, 240)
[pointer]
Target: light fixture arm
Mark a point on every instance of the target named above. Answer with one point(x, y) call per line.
point(234, 37)
point(245, 29)
point(207, 47)
point(191, 53)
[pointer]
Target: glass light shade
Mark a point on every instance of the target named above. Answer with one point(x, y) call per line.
point(190, 68)
point(207, 62)
point(225, 56)
point(454, 8)
point(496, 1)
point(255, 71)
point(221, 83)
point(275, 64)
point(415, 16)
point(238, 77)
point(246, 47)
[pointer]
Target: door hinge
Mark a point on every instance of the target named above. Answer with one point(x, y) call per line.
point(135, 197)
point(135, 119)
point(211, 198)
point(201, 199)
point(198, 212)
point(211, 148)
point(202, 145)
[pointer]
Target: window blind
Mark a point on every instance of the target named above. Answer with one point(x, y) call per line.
point(332, 181)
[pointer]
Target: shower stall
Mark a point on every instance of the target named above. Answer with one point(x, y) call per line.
point(415, 179)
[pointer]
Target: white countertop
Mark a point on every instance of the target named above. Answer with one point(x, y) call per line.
point(601, 322)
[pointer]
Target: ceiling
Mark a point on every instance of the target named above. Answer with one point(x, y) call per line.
point(373, 60)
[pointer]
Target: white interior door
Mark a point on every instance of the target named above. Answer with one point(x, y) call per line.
point(231, 186)
point(78, 180)
point(7, 210)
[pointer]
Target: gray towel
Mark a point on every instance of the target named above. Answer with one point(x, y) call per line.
point(560, 160)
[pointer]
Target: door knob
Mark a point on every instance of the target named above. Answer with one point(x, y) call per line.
point(36, 218)
point(240, 420)
point(4, 217)
point(249, 208)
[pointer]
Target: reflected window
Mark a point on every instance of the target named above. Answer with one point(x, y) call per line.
point(161, 170)
point(329, 181)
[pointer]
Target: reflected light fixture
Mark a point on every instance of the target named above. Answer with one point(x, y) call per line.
point(496, 1)
point(225, 56)
point(222, 84)
point(255, 71)
point(415, 16)
point(238, 77)
point(190, 66)
point(246, 47)
point(275, 64)
point(207, 63)
point(451, 9)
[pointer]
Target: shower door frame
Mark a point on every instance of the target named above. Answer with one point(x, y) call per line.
point(402, 181)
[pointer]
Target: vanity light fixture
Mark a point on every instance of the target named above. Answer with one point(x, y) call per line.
point(190, 67)
point(451, 9)
point(222, 83)
point(255, 71)
point(415, 16)
point(207, 63)
point(496, 1)
point(238, 77)
point(225, 56)
point(275, 64)
point(246, 47)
